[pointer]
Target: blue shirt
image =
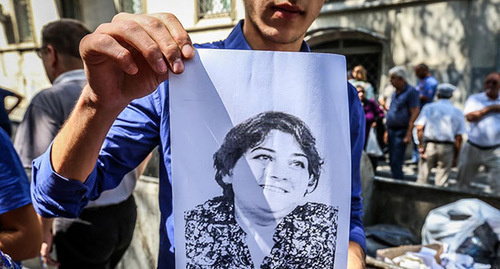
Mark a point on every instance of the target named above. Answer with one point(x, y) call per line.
point(14, 184)
point(143, 125)
point(427, 87)
point(398, 116)
point(7, 263)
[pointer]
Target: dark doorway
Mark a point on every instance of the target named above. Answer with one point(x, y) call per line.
point(357, 52)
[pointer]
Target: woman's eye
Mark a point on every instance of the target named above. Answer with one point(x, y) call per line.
point(299, 164)
point(263, 157)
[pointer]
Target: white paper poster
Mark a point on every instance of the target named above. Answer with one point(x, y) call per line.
point(261, 160)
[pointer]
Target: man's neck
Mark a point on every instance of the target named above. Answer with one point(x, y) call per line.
point(401, 89)
point(492, 96)
point(258, 41)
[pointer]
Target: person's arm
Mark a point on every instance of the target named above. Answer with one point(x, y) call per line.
point(382, 100)
point(47, 240)
point(421, 145)
point(458, 145)
point(124, 60)
point(424, 98)
point(420, 125)
point(355, 256)
point(357, 241)
point(142, 167)
point(134, 134)
point(19, 98)
point(413, 116)
point(20, 233)
point(479, 114)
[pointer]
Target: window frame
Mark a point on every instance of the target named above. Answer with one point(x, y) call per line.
point(229, 14)
point(10, 22)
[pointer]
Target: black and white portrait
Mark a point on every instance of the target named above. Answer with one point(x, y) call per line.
point(260, 161)
point(268, 209)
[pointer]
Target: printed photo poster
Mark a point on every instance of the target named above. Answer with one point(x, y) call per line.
point(261, 165)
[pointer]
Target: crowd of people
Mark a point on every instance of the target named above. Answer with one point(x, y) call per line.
point(424, 119)
point(116, 120)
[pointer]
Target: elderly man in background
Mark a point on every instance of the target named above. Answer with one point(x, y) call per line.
point(482, 110)
point(440, 126)
point(402, 113)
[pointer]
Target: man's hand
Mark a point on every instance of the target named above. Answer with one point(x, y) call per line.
point(124, 60)
point(421, 150)
point(355, 256)
point(408, 137)
point(46, 249)
point(129, 57)
point(47, 239)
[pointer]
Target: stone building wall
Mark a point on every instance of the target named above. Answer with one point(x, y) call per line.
point(458, 40)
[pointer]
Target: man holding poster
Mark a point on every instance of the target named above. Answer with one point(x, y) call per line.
point(120, 117)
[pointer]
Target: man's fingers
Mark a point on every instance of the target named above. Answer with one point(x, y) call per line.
point(94, 46)
point(45, 253)
point(154, 24)
point(132, 34)
point(167, 33)
point(178, 33)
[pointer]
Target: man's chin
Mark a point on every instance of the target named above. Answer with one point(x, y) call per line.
point(283, 38)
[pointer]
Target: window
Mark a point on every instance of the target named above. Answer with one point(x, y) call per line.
point(70, 9)
point(22, 12)
point(214, 8)
point(130, 6)
point(17, 22)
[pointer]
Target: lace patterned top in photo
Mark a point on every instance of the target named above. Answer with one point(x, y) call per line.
point(305, 238)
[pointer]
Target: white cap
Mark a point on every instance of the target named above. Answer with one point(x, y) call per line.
point(445, 90)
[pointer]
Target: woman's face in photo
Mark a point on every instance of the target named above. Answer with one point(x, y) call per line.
point(280, 173)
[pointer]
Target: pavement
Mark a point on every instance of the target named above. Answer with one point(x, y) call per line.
point(410, 170)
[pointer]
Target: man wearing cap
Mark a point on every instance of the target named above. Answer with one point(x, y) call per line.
point(402, 113)
point(440, 126)
point(482, 110)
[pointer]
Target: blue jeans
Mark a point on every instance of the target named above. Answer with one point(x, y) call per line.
point(397, 149)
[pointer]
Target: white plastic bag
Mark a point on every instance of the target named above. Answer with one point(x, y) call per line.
point(440, 227)
point(372, 147)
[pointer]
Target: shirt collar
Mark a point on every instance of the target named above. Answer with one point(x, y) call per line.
point(402, 91)
point(237, 40)
point(444, 100)
point(78, 74)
